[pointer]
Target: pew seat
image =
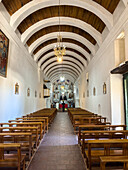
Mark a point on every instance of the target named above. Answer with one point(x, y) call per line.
point(12, 160)
point(110, 147)
point(113, 159)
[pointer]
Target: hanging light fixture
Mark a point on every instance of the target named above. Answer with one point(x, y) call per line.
point(59, 48)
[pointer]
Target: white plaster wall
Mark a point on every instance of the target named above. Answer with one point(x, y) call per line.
point(99, 72)
point(22, 70)
point(110, 104)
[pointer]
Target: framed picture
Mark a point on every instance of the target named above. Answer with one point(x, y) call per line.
point(104, 88)
point(87, 93)
point(16, 88)
point(35, 93)
point(28, 92)
point(94, 91)
point(4, 44)
point(83, 94)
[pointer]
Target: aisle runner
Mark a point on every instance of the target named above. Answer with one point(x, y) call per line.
point(59, 149)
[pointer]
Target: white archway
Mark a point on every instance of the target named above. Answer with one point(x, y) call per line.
point(59, 66)
point(35, 5)
point(64, 58)
point(63, 21)
point(69, 45)
point(65, 75)
point(67, 53)
point(60, 71)
point(53, 35)
point(63, 63)
point(125, 2)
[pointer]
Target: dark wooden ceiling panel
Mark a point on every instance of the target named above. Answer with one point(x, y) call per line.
point(69, 49)
point(13, 5)
point(63, 28)
point(67, 11)
point(110, 5)
point(64, 40)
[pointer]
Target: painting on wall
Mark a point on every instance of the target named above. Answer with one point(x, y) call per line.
point(87, 93)
point(94, 91)
point(16, 88)
point(28, 92)
point(4, 43)
point(104, 88)
point(35, 93)
point(83, 94)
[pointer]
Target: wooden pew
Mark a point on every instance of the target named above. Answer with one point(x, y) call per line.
point(109, 147)
point(32, 130)
point(98, 127)
point(110, 134)
point(25, 139)
point(29, 121)
point(12, 160)
point(28, 124)
point(88, 121)
point(80, 113)
point(35, 118)
point(111, 159)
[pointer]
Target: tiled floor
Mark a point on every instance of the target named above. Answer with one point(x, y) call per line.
point(59, 149)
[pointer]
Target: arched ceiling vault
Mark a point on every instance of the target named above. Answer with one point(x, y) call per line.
point(69, 55)
point(61, 69)
point(82, 23)
point(67, 76)
point(49, 69)
point(64, 63)
point(64, 73)
point(66, 59)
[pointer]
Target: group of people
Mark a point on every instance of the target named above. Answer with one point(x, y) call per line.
point(53, 105)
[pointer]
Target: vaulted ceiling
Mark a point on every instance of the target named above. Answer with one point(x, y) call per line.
point(82, 23)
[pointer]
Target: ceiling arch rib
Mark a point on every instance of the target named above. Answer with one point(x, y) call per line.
point(63, 28)
point(35, 5)
point(68, 53)
point(60, 71)
point(49, 69)
point(65, 35)
point(64, 73)
point(54, 63)
point(65, 40)
point(69, 45)
point(63, 21)
point(67, 59)
point(66, 77)
point(64, 68)
point(125, 2)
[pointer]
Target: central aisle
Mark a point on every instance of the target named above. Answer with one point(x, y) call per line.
point(59, 149)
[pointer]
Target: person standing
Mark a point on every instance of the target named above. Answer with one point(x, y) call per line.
point(63, 104)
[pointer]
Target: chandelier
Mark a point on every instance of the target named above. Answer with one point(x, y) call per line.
point(59, 49)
